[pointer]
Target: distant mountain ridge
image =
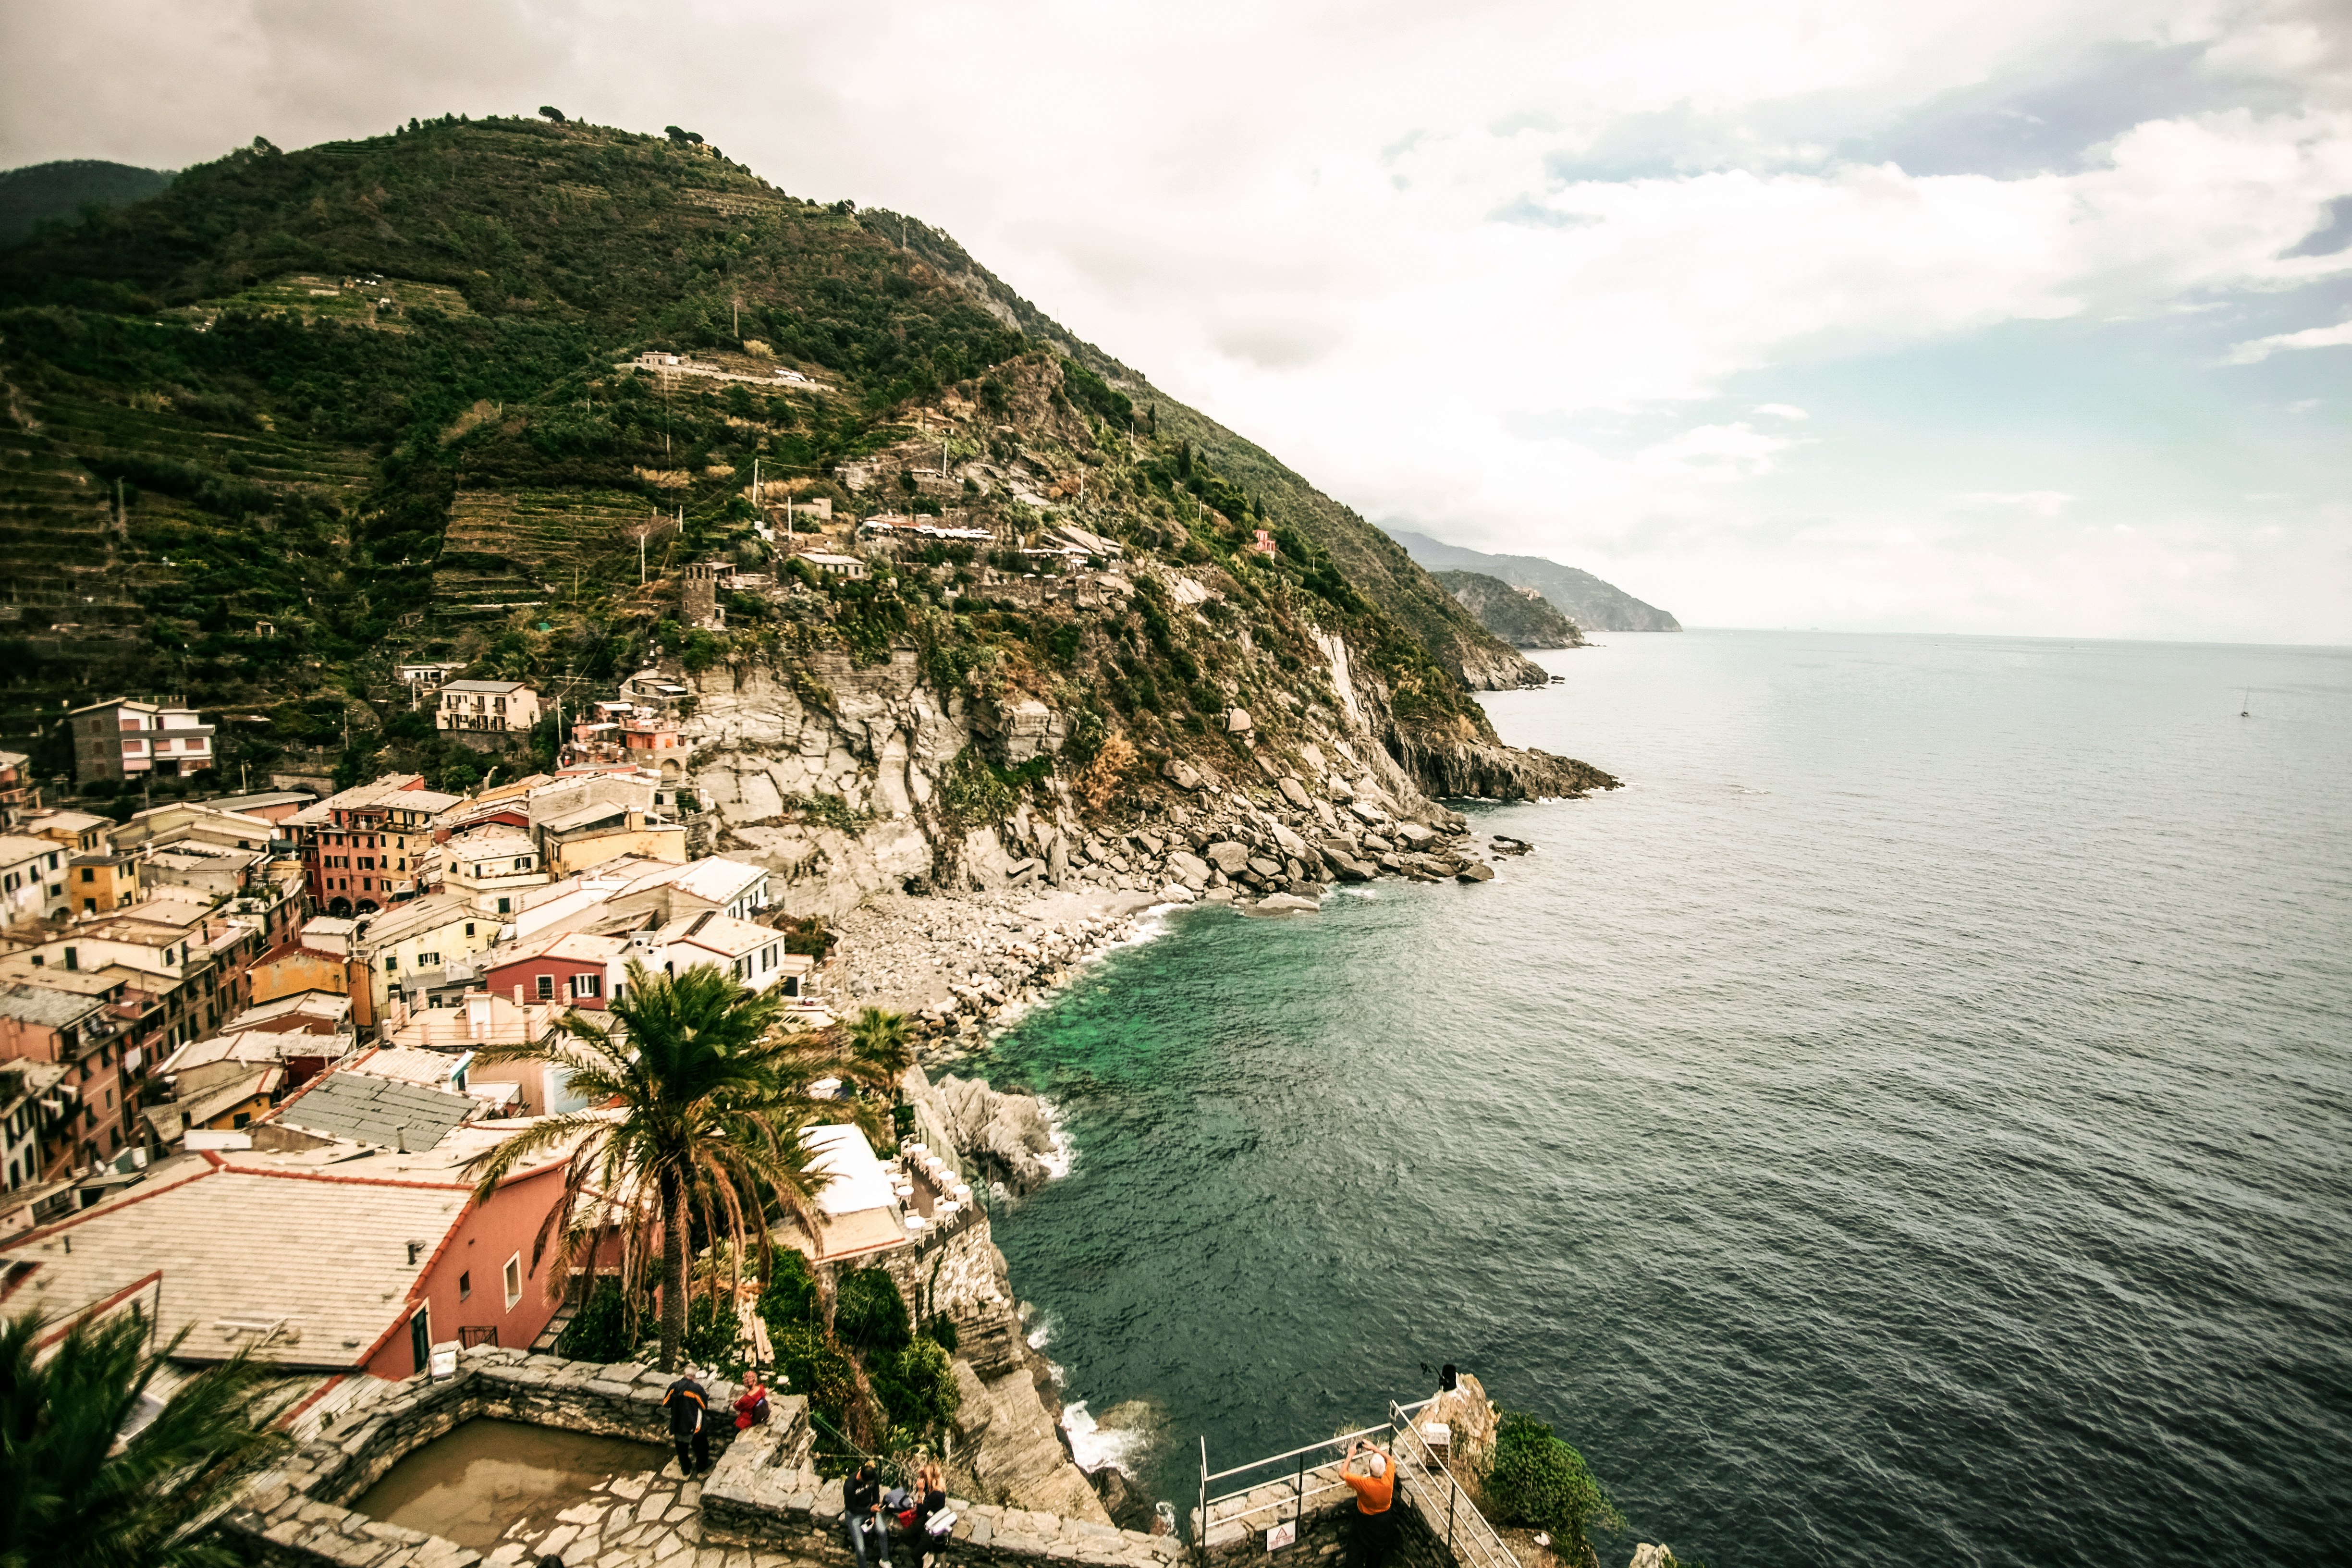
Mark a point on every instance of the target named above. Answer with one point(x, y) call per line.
point(1520, 617)
point(41, 191)
point(1591, 604)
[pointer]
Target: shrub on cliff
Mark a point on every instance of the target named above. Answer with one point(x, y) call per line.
point(1535, 1479)
point(791, 1297)
point(870, 1313)
point(917, 1385)
point(817, 1366)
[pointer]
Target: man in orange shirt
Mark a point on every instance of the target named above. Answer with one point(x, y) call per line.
point(1375, 1490)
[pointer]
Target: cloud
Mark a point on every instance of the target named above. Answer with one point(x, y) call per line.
point(2260, 349)
point(1782, 411)
point(2041, 503)
point(1717, 452)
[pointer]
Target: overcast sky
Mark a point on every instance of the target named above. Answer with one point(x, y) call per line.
point(2004, 316)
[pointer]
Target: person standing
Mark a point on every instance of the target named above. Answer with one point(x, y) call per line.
point(689, 1423)
point(861, 1516)
point(1375, 1491)
point(930, 1499)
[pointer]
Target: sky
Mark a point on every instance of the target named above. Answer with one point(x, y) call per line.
point(2020, 317)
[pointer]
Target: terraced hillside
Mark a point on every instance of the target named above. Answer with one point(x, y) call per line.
point(374, 400)
point(505, 548)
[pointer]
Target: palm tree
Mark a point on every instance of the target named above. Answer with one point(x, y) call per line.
point(70, 1496)
point(882, 1047)
point(695, 1098)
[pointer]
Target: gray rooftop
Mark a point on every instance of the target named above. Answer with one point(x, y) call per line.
point(39, 1005)
point(377, 1110)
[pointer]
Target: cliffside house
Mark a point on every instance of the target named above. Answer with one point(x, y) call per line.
point(424, 680)
point(78, 831)
point(129, 738)
point(411, 947)
point(100, 884)
point(484, 1019)
point(79, 1031)
point(18, 797)
point(753, 954)
point(858, 1207)
point(271, 806)
point(28, 1104)
point(828, 564)
point(496, 707)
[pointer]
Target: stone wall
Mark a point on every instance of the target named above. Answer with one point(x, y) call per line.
point(764, 1494)
point(956, 1270)
point(298, 1514)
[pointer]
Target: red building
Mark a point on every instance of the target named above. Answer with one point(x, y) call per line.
point(573, 968)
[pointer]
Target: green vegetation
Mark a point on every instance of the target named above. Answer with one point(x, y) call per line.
point(873, 1381)
point(72, 1495)
point(1535, 1479)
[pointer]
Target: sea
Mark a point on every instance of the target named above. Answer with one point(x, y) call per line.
point(1910, 1122)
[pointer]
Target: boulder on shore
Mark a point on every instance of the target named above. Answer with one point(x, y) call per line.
point(1284, 904)
point(1007, 1135)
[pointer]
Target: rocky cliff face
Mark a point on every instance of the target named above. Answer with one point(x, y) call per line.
point(842, 780)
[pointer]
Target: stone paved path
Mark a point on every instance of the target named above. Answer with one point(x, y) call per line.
point(649, 1520)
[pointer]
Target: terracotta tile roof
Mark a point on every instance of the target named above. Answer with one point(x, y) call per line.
point(225, 1251)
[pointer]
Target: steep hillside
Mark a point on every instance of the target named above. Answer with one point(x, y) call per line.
point(1592, 603)
point(40, 192)
point(303, 416)
point(1378, 566)
point(1520, 617)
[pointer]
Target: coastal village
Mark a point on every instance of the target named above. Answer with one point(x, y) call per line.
point(237, 1030)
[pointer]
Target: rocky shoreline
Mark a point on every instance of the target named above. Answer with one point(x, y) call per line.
point(958, 960)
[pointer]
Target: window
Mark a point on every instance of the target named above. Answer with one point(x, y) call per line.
point(587, 985)
point(466, 1286)
point(514, 1280)
point(547, 987)
point(392, 966)
point(504, 906)
point(244, 1120)
point(90, 873)
point(469, 928)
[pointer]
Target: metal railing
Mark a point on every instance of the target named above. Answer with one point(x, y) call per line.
point(1423, 1483)
point(1448, 1511)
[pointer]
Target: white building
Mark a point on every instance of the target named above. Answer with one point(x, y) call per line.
point(497, 707)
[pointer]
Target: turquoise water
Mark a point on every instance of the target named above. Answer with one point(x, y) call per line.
point(1909, 1124)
